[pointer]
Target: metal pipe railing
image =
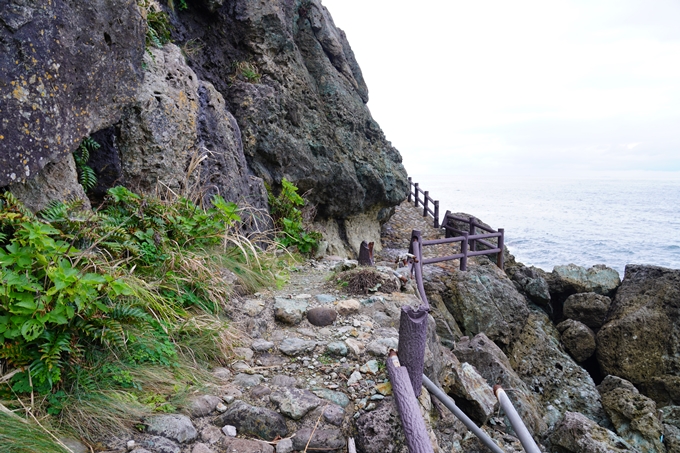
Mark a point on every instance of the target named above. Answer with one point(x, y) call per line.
point(516, 421)
point(455, 410)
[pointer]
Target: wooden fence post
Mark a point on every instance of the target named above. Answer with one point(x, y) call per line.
point(425, 202)
point(415, 191)
point(445, 223)
point(412, 421)
point(500, 259)
point(410, 183)
point(412, 340)
point(464, 251)
point(436, 213)
point(473, 243)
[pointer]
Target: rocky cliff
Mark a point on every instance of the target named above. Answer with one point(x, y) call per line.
point(250, 91)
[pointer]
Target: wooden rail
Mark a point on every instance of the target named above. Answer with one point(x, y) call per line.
point(414, 195)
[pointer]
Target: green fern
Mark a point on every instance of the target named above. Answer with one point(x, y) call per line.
point(86, 175)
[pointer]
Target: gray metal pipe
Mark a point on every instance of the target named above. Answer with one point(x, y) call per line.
point(516, 421)
point(455, 410)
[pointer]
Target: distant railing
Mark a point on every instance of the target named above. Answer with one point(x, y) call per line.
point(469, 240)
point(414, 195)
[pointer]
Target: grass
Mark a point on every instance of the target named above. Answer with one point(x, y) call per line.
point(20, 436)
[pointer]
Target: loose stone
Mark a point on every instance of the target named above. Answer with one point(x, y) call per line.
point(261, 345)
point(296, 346)
point(229, 430)
point(322, 316)
point(348, 307)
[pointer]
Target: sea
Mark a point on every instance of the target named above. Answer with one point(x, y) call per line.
point(606, 218)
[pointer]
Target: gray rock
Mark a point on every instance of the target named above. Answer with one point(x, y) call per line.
point(253, 307)
point(598, 279)
point(294, 403)
point(229, 430)
point(483, 299)
point(530, 281)
point(256, 421)
point(284, 446)
point(244, 353)
point(57, 181)
point(382, 346)
point(322, 316)
point(260, 391)
point(261, 345)
point(578, 339)
point(329, 440)
point(281, 380)
point(356, 346)
point(289, 311)
point(334, 397)
point(564, 386)
point(633, 415)
point(334, 414)
point(159, 444)
point(380, 431)
point(173, 426)
point(641, 337)
point(211, 435)
point(325, 298)
point(247, 380)
point(201, 448)
point(296, 346)
point(140, 450)
point(370, 367)
point(203, 405)
point(337, 348)
point(354, 378)
point(576, 433)
point(475, 395)
point(671, 415)
point(234, 444)
point(671, 438)
point(588, 308)
point(45, 112)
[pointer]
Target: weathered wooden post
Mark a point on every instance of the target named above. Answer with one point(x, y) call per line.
point(445, 223)
point(436, 213)
point(366, 254)
point(500, 259)
point(473, 243)
point(415, 192)
point(410, 183)
point(412, 341)
point(426, 200)
point(464, 251)
point(412, 421)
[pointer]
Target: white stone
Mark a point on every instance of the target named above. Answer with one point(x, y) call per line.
point(229, 430)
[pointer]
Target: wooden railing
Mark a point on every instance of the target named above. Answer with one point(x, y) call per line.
point(414, 196)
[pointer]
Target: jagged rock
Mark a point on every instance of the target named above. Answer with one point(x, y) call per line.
point(530, 281)
point(633, 415)
point(379, 431)
point(334, 414)
point(494, 366)
point(483, 299)
point(289, 311)
point(671, 438)
point(57, 181)
point(578, 339)
point(576, 433)
point(338, 398)
point(382, 346)
point(671, 415)
point(447, 328)
point(261, 345)
point(211, 435)
point(348, 307)
point(475, 395)
point(588, 308)
point(203, 405)
point(294, 403)
point(305, 118)
point(257, 421)
point(247, 380)
point(536, 356)
point(321, 316)
point(641, 338)
point(564, 281)
point(173, 426)
point(159, 444)
point(68, 68)
point(295, 346)
point(235, 444)
point(323, 440)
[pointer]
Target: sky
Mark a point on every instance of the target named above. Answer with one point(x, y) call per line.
point(523, 87)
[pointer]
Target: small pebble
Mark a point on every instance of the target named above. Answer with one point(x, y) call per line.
point(130, 445)
point(221, 407)
point(229, 430)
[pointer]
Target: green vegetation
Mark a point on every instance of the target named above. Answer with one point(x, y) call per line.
point(86, 175)
point(158, 26)
point(246, 71)
point(286, 211)
point(117, 313)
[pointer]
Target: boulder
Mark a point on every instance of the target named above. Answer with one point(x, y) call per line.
point(483, 299)
point(641, 338)
point(564, 281)
point(302, 110)
point(256, 421)
point(576, 433)
point(322, 440)
point(68, 69)
point(633, 415)
point(562, 385)
point(473, 393)
point(494, 366)
point(530, 281)
point(290, 311)
point(173, 426)
point(578, 339)
point(588, 308)
point(293, 402)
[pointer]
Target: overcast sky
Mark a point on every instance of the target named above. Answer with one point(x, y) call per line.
point(526, 87)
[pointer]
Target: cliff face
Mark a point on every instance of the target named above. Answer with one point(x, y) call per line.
point(255, 90)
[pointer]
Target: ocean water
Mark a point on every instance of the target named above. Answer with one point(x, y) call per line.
point(590, 220)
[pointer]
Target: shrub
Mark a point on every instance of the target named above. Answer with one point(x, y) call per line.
point(285, 210)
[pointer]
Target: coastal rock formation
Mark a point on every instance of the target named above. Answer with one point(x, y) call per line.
point(68, 69)
point(588, 308)
point(578, 339)
point(578, 434)
point(640, 341)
